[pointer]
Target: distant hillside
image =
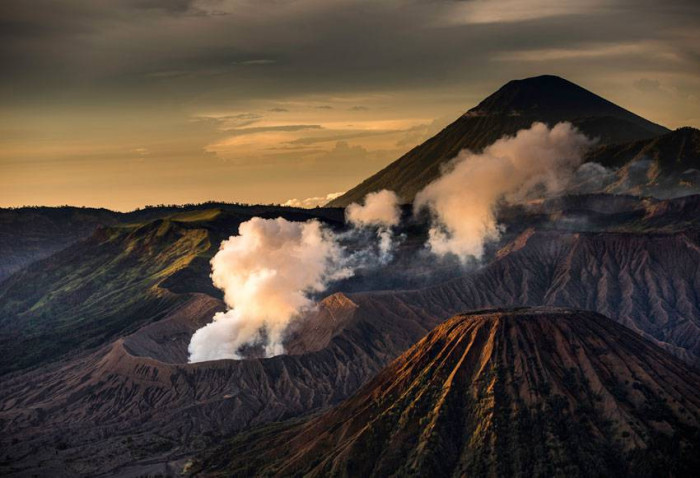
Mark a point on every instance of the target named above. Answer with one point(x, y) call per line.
point(116, 280)
point(28, 234)
point(515, 106)
point(32, 233)
point(501, 393)
point(664, 166)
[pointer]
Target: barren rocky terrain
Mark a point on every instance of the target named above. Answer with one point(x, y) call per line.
point(515, 392)
point(135, 406)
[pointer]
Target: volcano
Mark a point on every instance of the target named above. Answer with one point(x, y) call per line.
point(515, 106)
point(519, 392)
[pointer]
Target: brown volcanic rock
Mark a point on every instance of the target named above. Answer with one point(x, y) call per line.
point(648, 282)
point(134, 407)
point(167, 339)
point(93, 405)
point(524, 392)
point(119, 411)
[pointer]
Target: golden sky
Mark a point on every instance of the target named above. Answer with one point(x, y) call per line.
point(131, 102)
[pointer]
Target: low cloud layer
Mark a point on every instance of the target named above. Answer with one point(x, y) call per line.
point(267, 273)
point(312, 201)
point(462, 201)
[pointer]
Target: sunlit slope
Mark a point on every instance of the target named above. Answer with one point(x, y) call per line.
point(120, 278)
point(95, 290)
point(29, 234)
point(523, 392)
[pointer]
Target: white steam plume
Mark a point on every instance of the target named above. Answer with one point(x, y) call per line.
point(266, 273)
point(381, 211)
point(462, 201)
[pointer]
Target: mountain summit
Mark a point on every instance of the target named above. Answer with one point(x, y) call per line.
point(519, 392)
point(552, 98)
point(516, 105)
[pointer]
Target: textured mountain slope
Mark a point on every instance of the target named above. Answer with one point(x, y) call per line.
point(117, 280)
point(133, 406)
point(649, 282)
point(526, 392)
point(514, 106)
point(115, 411)
point(29, 234)
point(93, 292)
point(665, 166)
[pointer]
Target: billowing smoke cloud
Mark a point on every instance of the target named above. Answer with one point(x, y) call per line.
point(591, 178)
point(380, 211)
point(462, 201)
point(267, 273)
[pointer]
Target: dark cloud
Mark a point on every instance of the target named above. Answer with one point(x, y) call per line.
point(308, 45)
point(260, 61)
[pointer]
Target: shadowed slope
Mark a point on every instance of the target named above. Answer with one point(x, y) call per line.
point(525, 392)
point(32, 233)
point(665, 166)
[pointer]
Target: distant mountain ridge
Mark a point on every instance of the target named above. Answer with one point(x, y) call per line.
point(516, 105)
point(31, 233)
point(127, 273)
point(504, 393)
point(664, 166)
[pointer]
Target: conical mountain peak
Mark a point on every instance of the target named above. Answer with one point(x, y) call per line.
point(547, 96)
point(515, 106)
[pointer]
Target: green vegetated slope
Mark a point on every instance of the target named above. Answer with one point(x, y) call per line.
point(93, 291)
point(28, 234)
point(120, 278)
